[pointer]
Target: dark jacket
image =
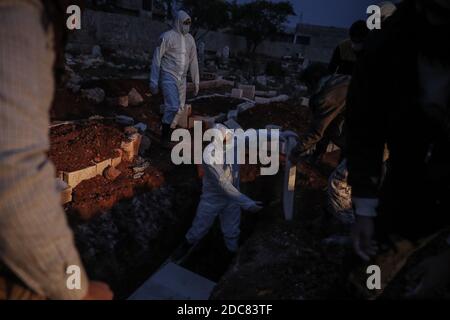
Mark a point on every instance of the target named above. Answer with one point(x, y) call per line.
point(328, 106)
point(383, 106)
point(343, 59)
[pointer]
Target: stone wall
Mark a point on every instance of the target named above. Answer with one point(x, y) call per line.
point(121, 31)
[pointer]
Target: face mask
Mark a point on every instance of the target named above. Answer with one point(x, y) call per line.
point(185, 28)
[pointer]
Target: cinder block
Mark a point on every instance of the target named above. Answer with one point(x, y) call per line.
point(237, 93)
point(248, 91)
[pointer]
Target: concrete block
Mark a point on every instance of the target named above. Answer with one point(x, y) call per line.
point(237, 93)
point(248, 91)
point(280, 98)
point(261, 100)
point(117, 160)
point(102, 166)
point(131, 147)
point(66, 195)
point(304, 102)
point(173, 282)
point(75, 178)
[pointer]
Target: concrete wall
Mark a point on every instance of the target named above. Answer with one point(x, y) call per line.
point(323, 40)
point(119, 31)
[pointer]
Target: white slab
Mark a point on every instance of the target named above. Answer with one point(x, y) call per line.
point(173, 282)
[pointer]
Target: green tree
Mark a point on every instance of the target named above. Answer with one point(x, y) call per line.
point(208, 15)
point(259, 20)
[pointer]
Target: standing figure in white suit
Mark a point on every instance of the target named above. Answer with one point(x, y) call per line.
point(174, 56)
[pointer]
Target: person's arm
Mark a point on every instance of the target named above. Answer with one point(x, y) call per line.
point(35, 240)
point(329, 107)
point(156, 63)
point(193, 66)
point(214, 172)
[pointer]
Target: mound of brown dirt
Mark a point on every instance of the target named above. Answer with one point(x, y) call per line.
point(93, 196)
point(77, 146)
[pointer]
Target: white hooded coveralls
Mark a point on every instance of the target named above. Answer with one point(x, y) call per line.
point(220, 197)
point(175, 55)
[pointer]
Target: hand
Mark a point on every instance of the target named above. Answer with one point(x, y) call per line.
point(154, 89)
point(435, 275)
point(196, 90)
point(98, 291)
point(256, 207)
point(362, 235)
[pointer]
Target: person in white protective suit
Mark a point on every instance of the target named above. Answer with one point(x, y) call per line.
point(220, 196)
point(174, 56)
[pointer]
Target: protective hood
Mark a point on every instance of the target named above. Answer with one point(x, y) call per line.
point(178, 25)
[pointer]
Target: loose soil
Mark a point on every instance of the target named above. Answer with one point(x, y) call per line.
point(78, 146)
point(288, 115)
point(213, 106)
